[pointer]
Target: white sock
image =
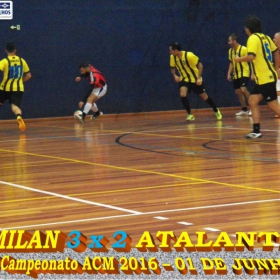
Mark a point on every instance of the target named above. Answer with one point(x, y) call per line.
point(87, 107)
point(278, 98)
point(94, 108)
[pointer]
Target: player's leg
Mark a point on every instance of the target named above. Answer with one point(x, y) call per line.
point(90, 101)
point(183, 89)
point(100, 93)
point(4, 95)
point(254, 101)
point(274, 106)
point(246, 94)
point(278, 95)
point(15, 101)
point(200, 90)
point(93, 97)
point(240, 97)
point(242, 101)
point(243, 86)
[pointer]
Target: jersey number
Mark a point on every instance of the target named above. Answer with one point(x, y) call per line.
point(268, 52)
point(15, 72)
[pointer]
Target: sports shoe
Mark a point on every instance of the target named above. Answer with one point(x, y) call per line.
point(21, 124)
point(79, 118)
point(96, 115)
point(249, 113)
point(218, 115)
point(190, 117)
point(242, 113)
point(253, 135)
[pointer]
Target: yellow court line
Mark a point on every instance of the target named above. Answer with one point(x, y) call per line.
point(139, 171)
point(53, 126)
point(32, 165)
point(104, 192)
point(190, 137)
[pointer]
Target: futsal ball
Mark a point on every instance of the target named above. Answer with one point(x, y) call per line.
point(78, 113)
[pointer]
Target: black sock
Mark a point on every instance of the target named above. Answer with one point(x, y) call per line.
point(84, 115)
point(244, 109)
point(18, 115)
point(212, 104)
point(256, 128)
point(96, 113)
point(186, 104)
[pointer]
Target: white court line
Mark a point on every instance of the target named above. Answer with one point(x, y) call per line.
point(211, 229)
point(147, 213)
point(70, 198)
point(185, 223)
point(161, 218)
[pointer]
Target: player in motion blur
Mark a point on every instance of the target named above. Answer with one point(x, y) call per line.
point(190, 79)
point(261, 51)
point(240, 72)
point(98, 88)
point(276, 40)
point(15, 73)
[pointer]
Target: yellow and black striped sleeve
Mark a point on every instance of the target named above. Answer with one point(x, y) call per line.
point(172, 61)
point(25, 67)
point(192, 59)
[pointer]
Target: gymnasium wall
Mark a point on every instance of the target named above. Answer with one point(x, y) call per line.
point(128, 41)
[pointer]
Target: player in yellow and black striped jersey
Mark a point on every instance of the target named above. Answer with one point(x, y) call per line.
point(240, 73)
point(262, 51)
point(190, 70)
point(15, 73)
point(276, 40)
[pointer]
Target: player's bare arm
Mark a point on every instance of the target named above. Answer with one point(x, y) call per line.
point(246, 58)
point(252, 72)
point(173, 72)
point(200, 69)
point(230, 68)
point(276, 57)
point(26, 77)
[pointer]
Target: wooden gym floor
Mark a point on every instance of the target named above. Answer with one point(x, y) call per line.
point(141, 172)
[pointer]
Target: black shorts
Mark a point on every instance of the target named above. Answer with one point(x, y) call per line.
point(193, 87)
point(14, 97)
point(240, 82)
point(268, 91)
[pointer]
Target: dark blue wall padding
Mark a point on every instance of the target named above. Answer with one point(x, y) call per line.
point(128, 41)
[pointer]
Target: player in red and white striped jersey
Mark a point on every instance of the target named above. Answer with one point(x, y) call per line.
point(98, 88)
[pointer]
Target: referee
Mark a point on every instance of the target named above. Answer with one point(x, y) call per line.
point(15, 73)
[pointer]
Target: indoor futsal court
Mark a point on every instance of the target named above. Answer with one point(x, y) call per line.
point(141, 172)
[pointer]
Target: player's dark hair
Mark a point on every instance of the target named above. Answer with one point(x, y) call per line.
point(253, 23)
point(84, 65)
point(10, 47)
point(175, 46)
point(234, 37)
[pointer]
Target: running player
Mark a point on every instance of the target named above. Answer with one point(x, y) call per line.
point(261, 51)
point(276, 40)
point(190, 79)
point(15, 73)
point(240, 72)
point(98, 88)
